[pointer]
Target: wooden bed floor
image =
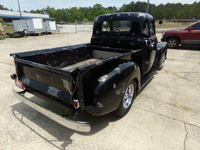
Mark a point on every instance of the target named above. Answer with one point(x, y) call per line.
point(79, 64)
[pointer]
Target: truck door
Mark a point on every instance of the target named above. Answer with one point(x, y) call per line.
point(150, 45)
point(153, 41)
point(191, 35)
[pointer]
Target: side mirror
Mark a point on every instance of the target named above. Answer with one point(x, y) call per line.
point(160, 21)
point(190, 28)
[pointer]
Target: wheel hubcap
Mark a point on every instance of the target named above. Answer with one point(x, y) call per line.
point(172, 43)
point(128, 96)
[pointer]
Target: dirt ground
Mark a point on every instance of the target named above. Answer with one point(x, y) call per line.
point(165, 116)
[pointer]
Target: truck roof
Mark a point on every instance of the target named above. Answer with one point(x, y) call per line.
point(137, 16)
point(137, 19)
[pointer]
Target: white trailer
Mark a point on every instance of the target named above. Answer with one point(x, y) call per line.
point(49, 26)
point(31, 26)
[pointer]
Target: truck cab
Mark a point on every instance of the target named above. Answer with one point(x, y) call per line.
point(129, 30)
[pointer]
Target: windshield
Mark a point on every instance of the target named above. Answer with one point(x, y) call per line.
point(190, 25)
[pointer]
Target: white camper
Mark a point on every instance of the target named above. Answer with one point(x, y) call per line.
point(49, 26)
point(32, 26)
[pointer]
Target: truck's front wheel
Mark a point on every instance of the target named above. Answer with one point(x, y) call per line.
point(127, 100)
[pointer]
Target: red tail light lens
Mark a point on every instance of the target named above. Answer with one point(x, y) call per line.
point(76, 103)
point(19, 84)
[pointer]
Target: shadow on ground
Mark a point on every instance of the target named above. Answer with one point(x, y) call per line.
point(22, 112)
point(191, 48)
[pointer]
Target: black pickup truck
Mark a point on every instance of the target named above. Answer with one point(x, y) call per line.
point(100, 77)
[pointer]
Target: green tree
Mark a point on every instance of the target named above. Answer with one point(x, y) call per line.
point(3, 8)
point(1, 21)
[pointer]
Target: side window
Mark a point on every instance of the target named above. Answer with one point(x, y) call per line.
point(196, 27)
point(145, 29)
point(152, 28)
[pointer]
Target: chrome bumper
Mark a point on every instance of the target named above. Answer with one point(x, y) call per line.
point(71, 124)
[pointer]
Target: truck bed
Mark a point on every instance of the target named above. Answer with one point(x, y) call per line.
point(53, 72)
point(72, 57)
point(97, 56)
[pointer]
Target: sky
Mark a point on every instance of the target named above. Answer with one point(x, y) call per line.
point(27, 5)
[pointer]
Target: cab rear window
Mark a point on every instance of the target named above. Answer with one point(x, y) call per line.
point(116, 26)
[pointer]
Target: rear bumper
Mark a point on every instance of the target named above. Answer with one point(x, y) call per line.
point(80, 126)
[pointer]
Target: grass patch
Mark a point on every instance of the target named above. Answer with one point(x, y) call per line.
point(15, 36)
point(172, 24)
point(3, 37)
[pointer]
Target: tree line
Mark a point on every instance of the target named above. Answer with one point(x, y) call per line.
point(76, 14)
point(167, 11)
point(4, 8)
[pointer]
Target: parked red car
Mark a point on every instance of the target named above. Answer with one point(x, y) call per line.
point(187, 36)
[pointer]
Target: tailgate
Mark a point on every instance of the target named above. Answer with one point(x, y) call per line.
point(49, 80)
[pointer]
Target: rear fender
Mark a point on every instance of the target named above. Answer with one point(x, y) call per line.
point(111, 88)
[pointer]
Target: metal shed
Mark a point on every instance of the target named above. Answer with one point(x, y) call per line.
point(9, 16)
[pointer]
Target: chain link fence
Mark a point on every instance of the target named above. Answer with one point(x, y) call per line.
point(74, 27)
point(173, 24)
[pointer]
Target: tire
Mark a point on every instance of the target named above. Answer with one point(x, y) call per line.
point(127, 100)
point(173, 42)
point(23, 33)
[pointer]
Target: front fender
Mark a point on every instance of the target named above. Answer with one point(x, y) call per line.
point(160, 51)
point(111, 88)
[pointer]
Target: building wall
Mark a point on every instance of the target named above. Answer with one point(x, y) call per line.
point(24, 14)
point(8, 16)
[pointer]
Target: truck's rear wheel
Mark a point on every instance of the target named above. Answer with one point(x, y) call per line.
point(127, 100)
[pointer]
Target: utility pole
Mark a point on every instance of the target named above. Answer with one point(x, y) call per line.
point(147, 6)
point(19, 10)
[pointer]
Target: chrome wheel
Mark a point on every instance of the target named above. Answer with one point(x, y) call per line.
point(127, 99)
point(172, 43)
point(128, 96)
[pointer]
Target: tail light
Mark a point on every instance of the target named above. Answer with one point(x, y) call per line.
point(13, 76)
point(19, 84)
point(76, 103)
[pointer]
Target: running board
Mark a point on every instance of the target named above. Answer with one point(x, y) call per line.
point(147, 78)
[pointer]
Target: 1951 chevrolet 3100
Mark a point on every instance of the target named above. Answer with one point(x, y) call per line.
point(100, 77)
